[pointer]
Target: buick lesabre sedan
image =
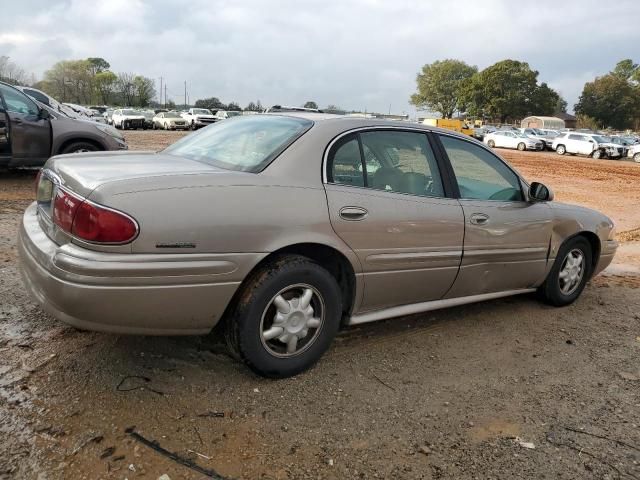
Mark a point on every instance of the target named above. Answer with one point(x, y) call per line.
point(284, 227)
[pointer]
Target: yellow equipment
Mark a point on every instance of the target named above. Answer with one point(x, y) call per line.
point(450, 124)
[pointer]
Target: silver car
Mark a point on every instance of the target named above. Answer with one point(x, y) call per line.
point(285, 227)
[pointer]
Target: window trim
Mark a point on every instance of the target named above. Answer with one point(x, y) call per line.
point(449, 185)
point(521, 181)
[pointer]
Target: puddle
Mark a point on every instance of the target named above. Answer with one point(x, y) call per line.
point(494, 428)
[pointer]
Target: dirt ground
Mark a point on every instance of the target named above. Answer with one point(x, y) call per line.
point(503, 389)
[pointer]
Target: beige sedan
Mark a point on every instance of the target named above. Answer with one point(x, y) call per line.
point(169, 121)
point(284, 227)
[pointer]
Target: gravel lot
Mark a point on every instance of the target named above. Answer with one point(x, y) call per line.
point(503, 389)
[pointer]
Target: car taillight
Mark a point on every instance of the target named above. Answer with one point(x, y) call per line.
point(95, 223)
point(91, 222)
point(65, 206)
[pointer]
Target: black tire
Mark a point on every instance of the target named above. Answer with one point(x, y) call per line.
point(561, 150)
point(244, 322)
point(78, 147)
point(491, 144)
point(550, 290)
point(522, 147)
point(597, 154)
point(636, 157)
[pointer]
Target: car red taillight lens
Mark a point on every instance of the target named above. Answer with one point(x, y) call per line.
point(91, 222)
point(103, 225)
point(65, 206)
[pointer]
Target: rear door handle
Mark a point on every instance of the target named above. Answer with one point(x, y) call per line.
point(479, 219)
point(353, 213)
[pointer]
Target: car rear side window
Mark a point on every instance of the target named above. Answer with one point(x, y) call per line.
point(480, 174)
point(390, 160)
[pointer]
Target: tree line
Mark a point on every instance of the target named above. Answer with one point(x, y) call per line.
point(509, 90)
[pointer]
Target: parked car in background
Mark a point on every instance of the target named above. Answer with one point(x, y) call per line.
point(169, 121)
point(126, 118)
point(634, 152)
point(137, 232)
point(148, 118)
point(585, 144)
point(108, 114)
point(49, 101)
point(512, 139)
point(31, 132)
point(611, 149)
point(198, 117)
point(224, 114)
point(546, 136)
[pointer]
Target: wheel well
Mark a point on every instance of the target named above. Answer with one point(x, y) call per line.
point(75, 140)
point(335, 262)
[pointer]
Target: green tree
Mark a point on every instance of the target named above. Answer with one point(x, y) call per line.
point(310, 104)
point(440, 86)
point(212, 103)
point(104, 84)
point(144, 90)
point(97, 65)
point(233, 106)
point(561, 106)
point(545, 101)
point(611, 100)
point(627, 70)
point(506, 90)
point(69, 81)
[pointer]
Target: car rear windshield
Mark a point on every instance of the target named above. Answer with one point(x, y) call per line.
point(246, 144)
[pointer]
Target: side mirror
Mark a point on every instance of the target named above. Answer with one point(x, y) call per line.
point(44, 114)
point(540, 193)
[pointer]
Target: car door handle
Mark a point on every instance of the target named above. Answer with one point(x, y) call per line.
point(479, 219)
point(353, 213)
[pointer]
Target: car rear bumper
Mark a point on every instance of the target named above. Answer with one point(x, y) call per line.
point(155, 294)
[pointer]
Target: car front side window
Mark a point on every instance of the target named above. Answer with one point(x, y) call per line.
point(17, 102)
point(480, 174)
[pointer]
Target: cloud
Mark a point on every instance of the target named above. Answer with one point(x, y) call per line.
point(357, 54)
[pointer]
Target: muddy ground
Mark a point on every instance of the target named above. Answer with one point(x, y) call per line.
point(503, 389)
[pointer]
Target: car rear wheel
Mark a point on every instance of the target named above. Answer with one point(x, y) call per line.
point(491, 144)
point(569, 274)
point(561, 150)
point(522, 147)
point(285, 317)
point(79, 147)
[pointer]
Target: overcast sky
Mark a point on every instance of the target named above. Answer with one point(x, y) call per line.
point(356, 54)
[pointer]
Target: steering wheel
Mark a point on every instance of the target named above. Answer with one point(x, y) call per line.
point(504, 194)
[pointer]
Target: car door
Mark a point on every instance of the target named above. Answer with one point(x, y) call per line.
point(29, 134)
point(507, 238)
point(5, 146)
point(388, 201)
point(509, 140)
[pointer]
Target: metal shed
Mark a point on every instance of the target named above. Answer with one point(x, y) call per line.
point(543, 122)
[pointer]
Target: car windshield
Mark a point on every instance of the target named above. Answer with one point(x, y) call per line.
point(201, 111)
point(129, 112)
point(172, 115)
point(245, 144)
point(601, 139)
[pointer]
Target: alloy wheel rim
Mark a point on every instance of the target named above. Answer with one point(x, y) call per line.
point(571, 272)
point(292, 320)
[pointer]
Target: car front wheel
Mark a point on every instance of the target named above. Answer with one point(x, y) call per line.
point(569, 274)
point(522, 147)
point(80, 147)
point(285, 317)
point(491, 144)
point(596, 154)
point(636, 157)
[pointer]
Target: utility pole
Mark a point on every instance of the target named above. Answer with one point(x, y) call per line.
point(185, 94)
point(165, 95)
point(160, 102)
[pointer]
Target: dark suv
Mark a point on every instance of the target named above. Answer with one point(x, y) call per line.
point(31, 132)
